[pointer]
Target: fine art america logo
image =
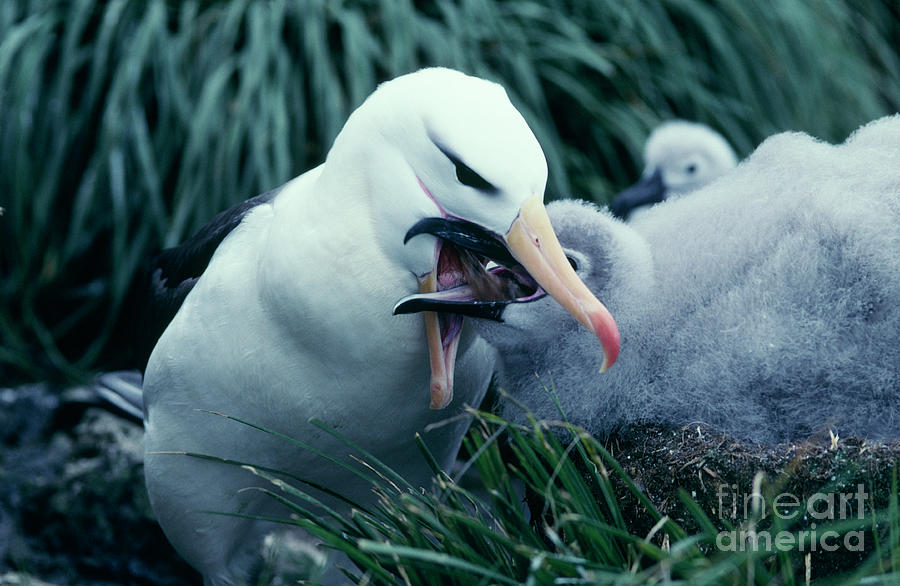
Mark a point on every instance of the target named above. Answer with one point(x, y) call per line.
point(821, 508)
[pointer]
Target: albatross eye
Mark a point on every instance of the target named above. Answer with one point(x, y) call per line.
point(572, 262)
point(467, 176)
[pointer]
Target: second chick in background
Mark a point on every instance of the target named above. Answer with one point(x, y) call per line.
point(679, 157)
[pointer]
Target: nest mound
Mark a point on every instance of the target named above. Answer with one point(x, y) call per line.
point(807, 486)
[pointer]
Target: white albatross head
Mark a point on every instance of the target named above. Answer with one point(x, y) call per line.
point(457, 179)
point(679, 157)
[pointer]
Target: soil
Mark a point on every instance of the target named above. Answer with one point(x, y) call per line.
point(73, 509)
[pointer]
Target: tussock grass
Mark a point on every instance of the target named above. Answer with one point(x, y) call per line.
point(576, 531)
point(126, 125)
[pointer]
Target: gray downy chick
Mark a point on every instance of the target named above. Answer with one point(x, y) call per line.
point(679, 157)
point(766, 305)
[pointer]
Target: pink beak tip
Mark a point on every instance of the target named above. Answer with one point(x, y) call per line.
point(607, 332)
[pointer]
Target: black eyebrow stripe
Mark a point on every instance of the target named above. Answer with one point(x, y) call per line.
point(466, 175)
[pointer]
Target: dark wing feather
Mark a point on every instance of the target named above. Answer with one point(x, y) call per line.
point(186, 262)
point(162, 287)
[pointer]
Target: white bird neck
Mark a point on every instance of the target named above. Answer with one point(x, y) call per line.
point(324, 236)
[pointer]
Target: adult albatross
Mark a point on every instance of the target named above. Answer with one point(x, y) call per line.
point(435, 174)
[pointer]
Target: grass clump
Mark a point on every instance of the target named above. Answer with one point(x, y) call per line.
point(574, 530)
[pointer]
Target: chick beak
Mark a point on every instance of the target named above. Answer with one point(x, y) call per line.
point(442, 346)
point(533, 243)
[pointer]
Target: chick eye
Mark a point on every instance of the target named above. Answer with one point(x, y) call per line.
point(572, 262)
point(691, 169)
point(467, 176)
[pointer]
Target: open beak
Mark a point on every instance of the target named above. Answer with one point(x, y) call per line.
point(647, 191)
point(531, 264)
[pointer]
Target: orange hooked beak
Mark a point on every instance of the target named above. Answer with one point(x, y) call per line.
point(532, 242)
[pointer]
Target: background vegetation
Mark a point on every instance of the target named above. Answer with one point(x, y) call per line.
point(125, 125)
